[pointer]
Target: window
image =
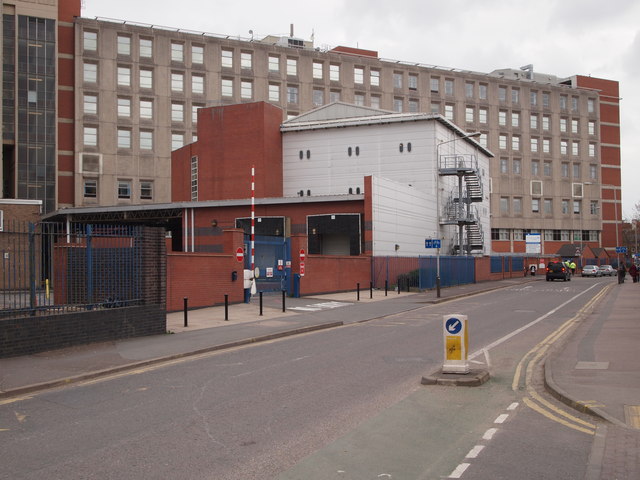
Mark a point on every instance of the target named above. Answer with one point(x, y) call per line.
point(124, 138)
point(177, 52)
point(577, 204)
point(517, 166)
point(90, 72)
point(124, 45)
point(575, 148)
point(563, 102)
point(274, 63)
point(564, 147)
point(197, 84)
point(518, 234)
point(565, 207)
point(546, 123)
point(535, 205)
point(592, 149)
point(517, 205)
point(226, 58)
point(499, 234)
point(576, 170)
point(375, 101)
point(593, 172)
point(591, 105)
point(177, 140)
point(177, 112)
point(292, 94)
point(194, 178)
point(414, 105)
point(246, 89)
point(515, 96)
point(468, 89)
point(483, 115)
point(533, 98)
point(146, 78)
point(534, 145)
point(547, 169)
point(146, 140)
point(124, 76)
point(194, 112)
point(397, 104)
point(397, 79)
point(564, 169)
point(358, 75)
point(536, 187)
point(292, 66)
point(90, 136)
point(226, 86)
point(545, 100)
point(177, 82)
point(546, 145)
point(574, 104)
point(448, 86)
point(502, 94)
point(504, 205)
point(146, 109)
point(434, 84)
point(374, 78)
point(574, 125)
point(434, 107)
point(502, 141)
point(483, 140)
point(592, 127)
point(515, 119)
point(90, 188)
point(504, 165)
point(197, 54)
point(548, 206)
point(90, 40)
point(448, 112)
point(469, 114)
point(146, 190)
point(502, 118)
point(90, 104)
point(246, 60)
point(358, 99)
point(146, 48)
point(563, 125)
point(124, 107)
point(533, 121)
point(482, 91)
point(593, 207)
point(515, 142)
point(124, 189)
point(535, 168)
point(413, 81)
point(274, 92)
point(334, 72)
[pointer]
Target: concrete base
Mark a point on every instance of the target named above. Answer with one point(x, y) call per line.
point(474, 378)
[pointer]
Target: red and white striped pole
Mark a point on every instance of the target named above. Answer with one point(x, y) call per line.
point(253, 216)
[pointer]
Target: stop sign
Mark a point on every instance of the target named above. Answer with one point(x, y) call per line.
point(240, 254)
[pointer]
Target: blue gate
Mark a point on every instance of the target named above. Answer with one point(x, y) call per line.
point(454, 270)
point(273, 258)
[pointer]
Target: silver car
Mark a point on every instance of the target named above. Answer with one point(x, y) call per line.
point(591, 271)
point(606, 270)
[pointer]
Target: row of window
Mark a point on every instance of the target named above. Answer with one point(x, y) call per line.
point(145, 108)
point(514, 205)
point(123, 187)
point(518, 234)
point(534, 123)
point(332, 71)
point(515, 166)
point(125, 138)
point(537, 145)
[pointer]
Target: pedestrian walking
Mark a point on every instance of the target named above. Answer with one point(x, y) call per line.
point(633, 271)
point(622, 271)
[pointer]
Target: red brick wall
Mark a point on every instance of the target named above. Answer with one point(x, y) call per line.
point(324, 274)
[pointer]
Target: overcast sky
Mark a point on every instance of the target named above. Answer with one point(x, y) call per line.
point(559, 37)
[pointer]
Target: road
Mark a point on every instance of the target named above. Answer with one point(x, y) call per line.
point(344, 403)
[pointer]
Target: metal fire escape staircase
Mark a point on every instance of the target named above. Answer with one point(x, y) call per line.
point(459, 210)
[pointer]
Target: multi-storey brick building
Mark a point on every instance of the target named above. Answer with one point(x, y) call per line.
point(137, 89)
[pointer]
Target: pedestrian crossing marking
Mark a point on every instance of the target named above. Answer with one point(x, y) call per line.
point(316, 307)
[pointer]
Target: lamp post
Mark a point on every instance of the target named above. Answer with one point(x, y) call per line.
point(438, 145)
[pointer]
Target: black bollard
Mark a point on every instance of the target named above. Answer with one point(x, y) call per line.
point(386, 287)
point(186, 323)
point(226, 307)
point(260, 303)
point(370, 289)
point(358, 291)
point(283, 304)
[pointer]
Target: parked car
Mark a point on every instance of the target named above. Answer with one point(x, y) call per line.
point(607, 270)
point(591, 271)
point(559, 271)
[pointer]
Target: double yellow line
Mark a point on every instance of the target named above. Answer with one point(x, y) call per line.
point(533, 358)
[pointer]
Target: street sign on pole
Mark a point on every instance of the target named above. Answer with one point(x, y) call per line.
point(456, 344)
point(432, 243)
point(621, 249)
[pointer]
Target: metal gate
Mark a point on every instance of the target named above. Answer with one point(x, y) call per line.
point(273, 258)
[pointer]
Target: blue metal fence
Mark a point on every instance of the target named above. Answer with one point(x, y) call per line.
point(53, 267)
point(420, 272)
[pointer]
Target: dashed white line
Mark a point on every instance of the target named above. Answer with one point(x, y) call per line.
point(475, 451)
point(501, 418)
point(513, 406)
point(488, 435)
point(457, 473)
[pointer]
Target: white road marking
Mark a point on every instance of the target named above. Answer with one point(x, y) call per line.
point(488, 435)
point(475, 451)
point(513, 406)
point(457, 473)
point(501, 418)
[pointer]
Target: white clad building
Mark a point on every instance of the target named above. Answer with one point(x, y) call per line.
point(330, 151)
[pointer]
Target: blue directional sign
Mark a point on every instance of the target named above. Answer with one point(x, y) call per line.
point(453, 325)
point(432, 243)
point(621, 249)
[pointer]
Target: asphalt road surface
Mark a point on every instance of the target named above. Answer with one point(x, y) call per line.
point(345, 403)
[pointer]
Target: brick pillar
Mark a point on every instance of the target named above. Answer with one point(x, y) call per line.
point(154, 266)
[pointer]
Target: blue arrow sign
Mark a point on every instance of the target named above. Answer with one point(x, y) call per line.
point(432, 243)
point(453, 325)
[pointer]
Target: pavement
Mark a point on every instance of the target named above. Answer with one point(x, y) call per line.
point(594, 369)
